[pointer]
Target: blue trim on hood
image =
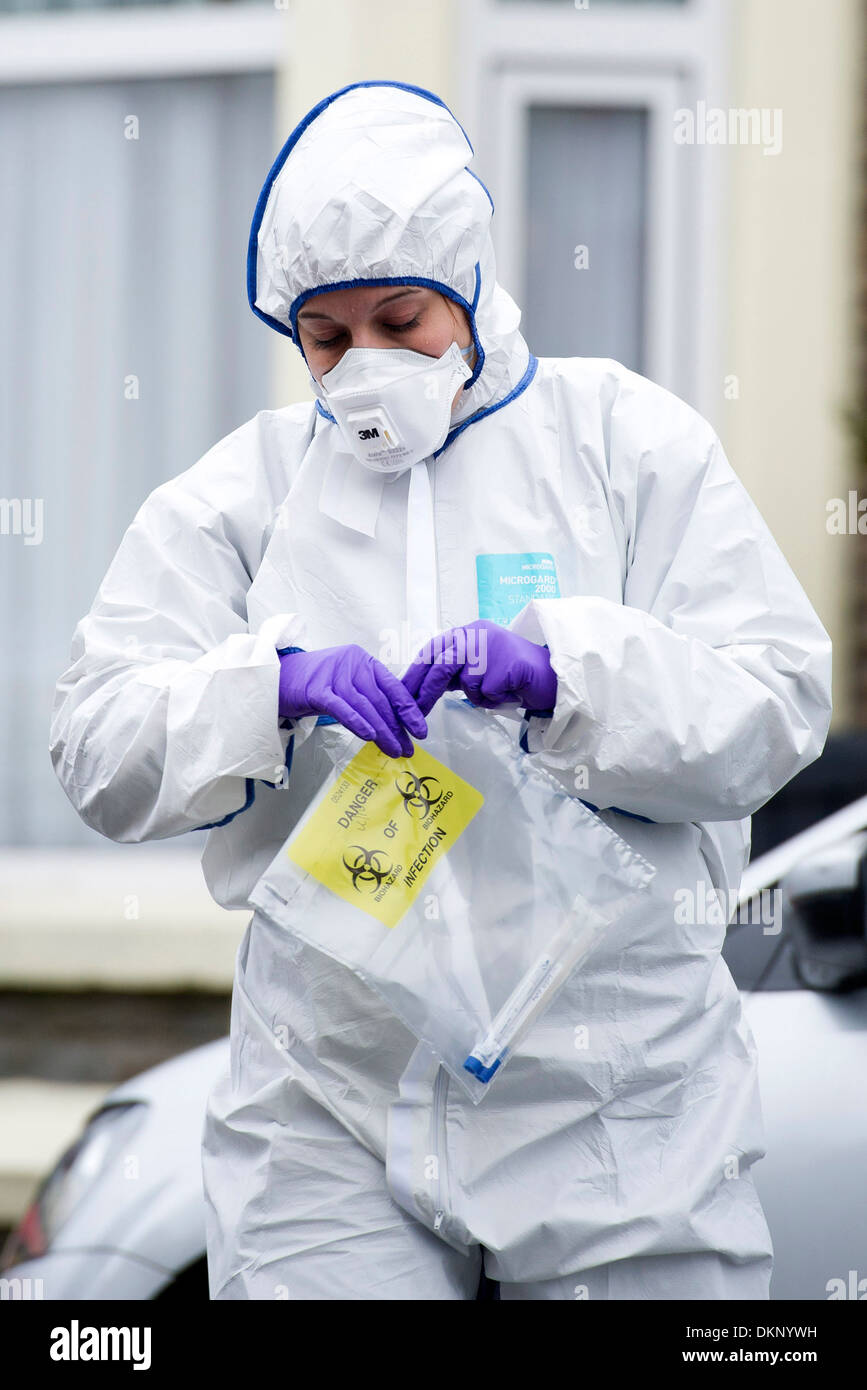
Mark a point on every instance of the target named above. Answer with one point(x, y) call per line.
point(474, 175)
point(381, 283)
point(478, 288)
point(522, 385)
point(291, 142)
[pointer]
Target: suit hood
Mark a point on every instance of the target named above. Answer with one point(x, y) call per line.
point(374, 187)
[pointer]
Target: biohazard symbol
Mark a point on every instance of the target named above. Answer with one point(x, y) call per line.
point(416, 795)
point(368, 866)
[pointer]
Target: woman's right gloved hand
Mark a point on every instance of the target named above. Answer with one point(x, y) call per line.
point(357, 690)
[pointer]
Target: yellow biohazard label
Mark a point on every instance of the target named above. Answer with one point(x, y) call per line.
point(382, 827)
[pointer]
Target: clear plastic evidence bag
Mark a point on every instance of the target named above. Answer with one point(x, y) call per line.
point(462, 884)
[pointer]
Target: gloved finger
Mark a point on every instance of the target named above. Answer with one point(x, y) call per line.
point(332, 704)
point(415, 674)
point(400, 699)
point(490, 693)
point(438, 679)
point(508, 685)
point(366, 688)
point(479, 684)
point(385, 738)
point(470, 680)
point(475, 698)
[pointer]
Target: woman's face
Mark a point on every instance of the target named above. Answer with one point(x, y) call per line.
point(404, 316)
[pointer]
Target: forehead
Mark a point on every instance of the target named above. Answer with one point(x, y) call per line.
point(362, 300)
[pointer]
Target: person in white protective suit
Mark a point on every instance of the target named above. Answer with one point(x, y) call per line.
point(589, 512)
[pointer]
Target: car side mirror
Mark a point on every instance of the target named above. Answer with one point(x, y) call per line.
point(825, 913)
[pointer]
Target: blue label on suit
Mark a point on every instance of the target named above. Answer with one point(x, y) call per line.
point(507, 582)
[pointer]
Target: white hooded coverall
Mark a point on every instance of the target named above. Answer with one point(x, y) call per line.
point(590, 510)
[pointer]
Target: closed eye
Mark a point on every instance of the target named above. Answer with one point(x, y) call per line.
point(402, 327)
point(327, 342)
point(391, 327)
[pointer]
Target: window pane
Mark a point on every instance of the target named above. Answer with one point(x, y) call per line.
point(585, 232)
point(127, 348)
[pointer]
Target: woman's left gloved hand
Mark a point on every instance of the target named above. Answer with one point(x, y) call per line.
point(489, 663)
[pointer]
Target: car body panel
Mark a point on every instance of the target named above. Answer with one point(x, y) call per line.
point(85, 1275)
point(812, 1063)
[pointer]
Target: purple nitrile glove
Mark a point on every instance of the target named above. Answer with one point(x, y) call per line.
point(356, 690)
point(490, 664)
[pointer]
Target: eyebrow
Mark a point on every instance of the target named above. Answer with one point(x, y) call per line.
point(306, 313)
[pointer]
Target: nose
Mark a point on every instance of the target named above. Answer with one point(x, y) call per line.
point(364, 335)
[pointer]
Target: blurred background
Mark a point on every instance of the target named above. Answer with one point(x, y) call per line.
point(724, 258)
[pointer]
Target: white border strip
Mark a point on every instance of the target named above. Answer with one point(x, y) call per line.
point(144, 41)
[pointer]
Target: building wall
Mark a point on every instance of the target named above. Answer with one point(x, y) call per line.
point(792, 285)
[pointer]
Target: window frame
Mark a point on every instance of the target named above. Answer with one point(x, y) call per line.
point(141, 41)
point(658, 56)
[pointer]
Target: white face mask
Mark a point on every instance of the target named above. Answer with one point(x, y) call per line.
point(393, 406)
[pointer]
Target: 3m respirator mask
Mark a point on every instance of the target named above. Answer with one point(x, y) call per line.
point(392, 405)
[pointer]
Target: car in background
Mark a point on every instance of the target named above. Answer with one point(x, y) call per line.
point(804, 991)
point(121, 1215)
